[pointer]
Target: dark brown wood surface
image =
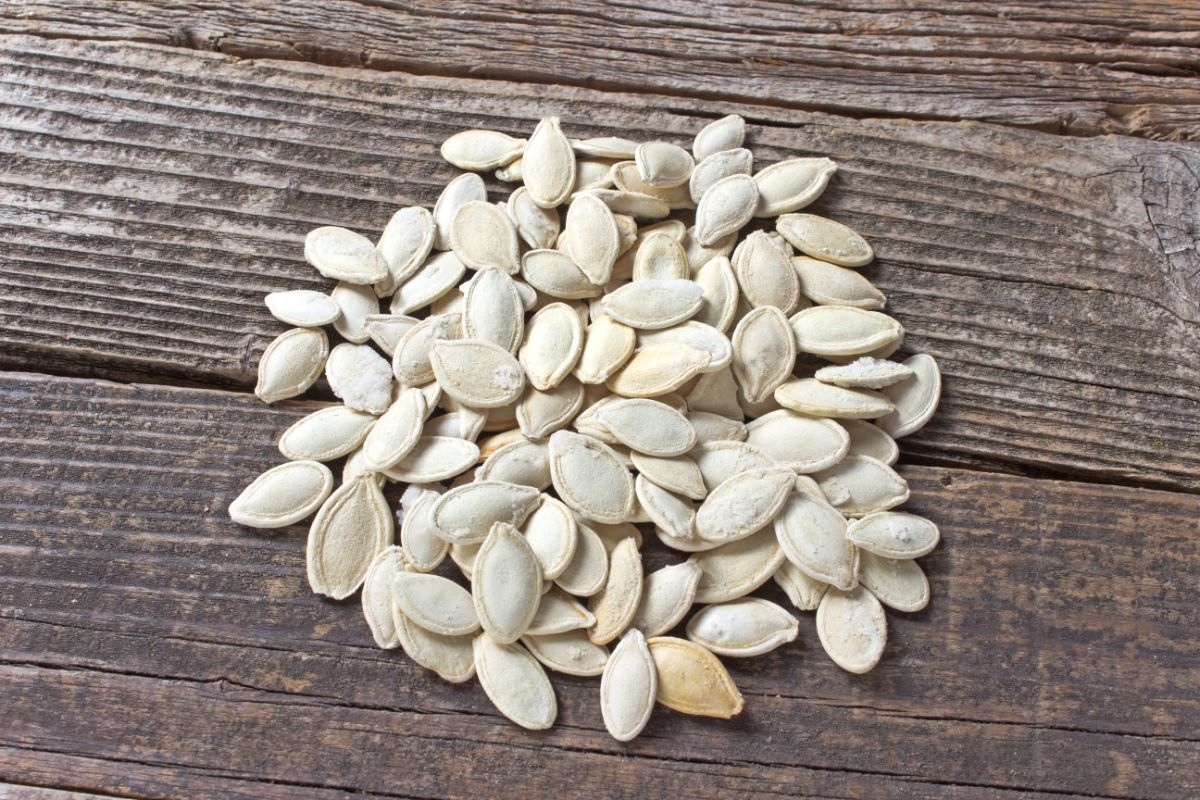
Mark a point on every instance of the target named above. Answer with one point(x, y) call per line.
point(150, 194)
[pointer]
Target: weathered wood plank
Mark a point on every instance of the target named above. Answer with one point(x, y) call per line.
point(1058, 654)
point(150, 197)
point(1079, 68)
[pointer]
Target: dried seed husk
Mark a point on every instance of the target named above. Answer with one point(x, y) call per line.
point(864, 372)
point(616, 604)
point(493, 443)
point(852, 628)
point(450, 657)
point(464, 189)
point(692, 681)
point(725, 208)
point(506, 583)
point(869, 440)
point(825, 239)
point(605, 147)
point(590, 478)
point(588, 570)
point(791, 185)
point(326, 434)
point(282, 495)
point(554, 273)
point(717, 393)
point(803, 443)
point(377, 596)
point(552, 346)
point(386, 330)
point(648, 426)
point(893, 534)
point(674, 515)
point(537, 226)
point(425, 549)
point(594, 238)
point(699, 255)
point(435, 458)
point(351, 528)
point(513, 172)
point(396, 433)
point(404, 245)
point(465, 514)
point(515, 683)
point(764, 352)
point(435, 603)
point(721, 460)
point(628, 687)
point(742, 628)
point(410, 361)
point(897, 583)
point(593, 173)
point(625, 177)
point(476, 373)
point(437, 276)
point(542, 413)
point(743, 504)
point(915, 398)
point(492, 310)
point(711, 427)
point(697, 335)
point(662, 164)
point(653, 304)
point(634, 204)
point(291, 363)
point(810, 396)
point(607, 345)
point(356, 303)
point(803, 590)
point(679, 474)
point(551, 533)
point(360, 377)
point(765, 274)
point(303, 308)
point(716, 167)
point(726, 133)
point(558, 612)
point(344, 255)
point(549, 164)
point(480, 150)
point(719, 289)
point(830, 285)
point(522, 462)
point(863, 485)
point(660, 257)
point(658, 369)
point(355, 466)
point(570, 652)
point(667, 595)
point(812, 534)
point(735, 569)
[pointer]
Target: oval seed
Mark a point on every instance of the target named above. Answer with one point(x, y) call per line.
point(741, 628)
point(810, 396)
point(852, 628)
point(552, 346)
point(344, 255)
point(425, 549)
point(607, 345)
point(679, 475)
point(522, 462)
point(721, 460)
point(719, 289)
point(660, 257)
point(663, 165)
point(625, 176)
point(360, 377)
point(515, 683)
point(915, 398)
point(477, 373)
point(291, 363)
point(437, 276)
point(450, 657)
point(404, 245)
point(628, 687)
point(435, 603)
point(716, 167)
point(410, 362)
point(570, 652)
point(590, 477)
point(697, 335)
point(726, 133)
point(734, 570)
point(554, 273)
point(812, 534)
point(699, 255)
point(435, 458)
point(897, 583)
point(715, 428)
point(542, 413)
point(791, 185)
point(869, 440)
point(464, 189)
point(303, 308)
point(506, 583)
point(803, 443)
point(377, 596)
point(830, 285)
point(551, 533)
point(558, 612)
point(479, 150)
point(588, 570)
point(864, 372)
point(492, 310)
point(893, 534)
point(654, 304)
point(593, 173)
point(634, 204)
point(863, 485)
point(804, 591)
point(825, 239)
point(743, 504)
point(351, 529)
point(605, 147)
point(843, 331)
point(282, 495)
point(397, 431)
point(466, 514)
point(692, 681)
point(548, 164)
point(764, 352)
point(355, 303)
point(725, 208)
point(386, 330)
point(538, 226)
point(673, 515)
point(594, 240)
point(616, 604)
point(765, 274)
point(649, 427)
point(326, 434)
point(667, 595)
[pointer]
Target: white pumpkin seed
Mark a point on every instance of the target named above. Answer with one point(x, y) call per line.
point(522, 462)
point(593, 173)
point(605, 147)
point(506, 583)
point(435, 603)
point(360, 377)
point(715, 428)
point(726, 133)
point(437, 276)
point(466, 514)
point(628, 687)
point(667, 595)
point(843, 331)
point(356, 465)
point(594, 239)
point(869, 440)
point(791, 185)
point(725, 208)
point(863, 485)
point(915, 398)
point(558, 612)
point(765, 274)
point(634, 204)
point(692, 681)
point(356, 303)
point(662, 164)
point(396, 433)
point(626, 178)
point(825, 239)
point(377, 596)
point(352, 527)
point(716, 167)
point(588, 570)
point(697, 335)
point(673, 515)
point(570, 653)
point(764, 352)
point(450, 657)
point(852, 628)
point(660, 257)
point(515, 683)
point(514, 172)
point(721, 460)
point(291, 363)
point(679, 475)
point(743, 504)
point(719, 289)
point(410, 362)
point(735, 569)
point(542, 413)
point(616, 604)
point(435, 458)
point(830, 285)
point(897, 583)
point(864, 372)
point(482, 235)
point(608, 344)
point(326, 434)
point(479, 150)
point(893, 534)
point(552, 346)
point(464, 189)
point(699, 255)
point(551, 532)
point(803, 443)
point(654, 304)
point(537, 226)
point(303, 308)
point(425, 549)
point(812, 534)
point(386, 330)
point(476, 373)
point(590, 478)
point(810, 396)
point(649, 427)
point(492, 310)
point(404, 245)
point(549, 164)
point(282, 495)
point(804, 591)
point(344, 255)
point(554, 273)
point(741, 628)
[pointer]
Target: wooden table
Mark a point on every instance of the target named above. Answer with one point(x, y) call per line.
point(1027, 173)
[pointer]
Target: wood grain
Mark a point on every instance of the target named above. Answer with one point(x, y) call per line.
point(148, 642)
point(150, 197)
point(1088, 68)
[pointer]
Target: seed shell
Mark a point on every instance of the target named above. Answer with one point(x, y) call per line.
point(549, 164)
point(825, 239)
point(590, 477)
point(692, 681)
point(915, 398)
point(515, 683)
point(667, 595)
point(791, 185)
point(897, 583)
point(476, 373)
point(326, 434)
point(734, 570)
point(404, 245)
point(282, 495)
point(628, 687)
point(351, 529)
point(852, 628)
point(435, 603)
point(742, 628)
point(291, 363)
point(377, 596)
point(506, 583)
point(812, 534)
point(303, 308)
point(743, 504)
point(570, 652)
point(344, 255)
point(616, 604)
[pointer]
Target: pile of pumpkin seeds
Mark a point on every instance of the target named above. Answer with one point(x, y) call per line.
point(576, 368)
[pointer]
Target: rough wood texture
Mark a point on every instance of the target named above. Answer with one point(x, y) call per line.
point(1110, 66)
point(151, 647)
point(151, 196)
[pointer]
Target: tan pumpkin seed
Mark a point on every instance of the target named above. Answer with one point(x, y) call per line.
point(679, 475)
point(549, 164)
point(804, 591)
point(716, 167)
point(554, 273)
point(435, 458)
point(435, 603)
point(552, 346)
point(590, 478)
point(492, 310)
point(852, 628)
point(522, 462)
point(605, 147)
point(483, 235)
point(812, 534)
point(607, 345)
point(377, 596)
point(915, 398)
point(479, 150)
point(466, 514)
point(616, 604)
point(667, 596)
point(493, 443)
point(718, 286)
point(291, 363)
point(825, 239)
point(570, 653)
point(303, 308)
point(692, 681)
point(538, 226)
point(404, 245)
point(699, 255)
point(660, 257)
point(450, 657)
point(717, 393)
point(353, 526)
point(542, 413)
point(897, 583)
point(360, 377)
point(437, 276)
point(868, 440)
point(594, 238)
point(764, 352)
point(742, 628)
point(326, 434)
point(791, 185)
point(726, 133)
point(551, 532)
point(410, 362)
point(654, 304)
point(743, 504)
point(831, 285)
point(802, 443)
point(697, 335)
point(674, 515)
point(588, 570)
point(721, 460)
point(464, 189)
point(810, 396)
point(892, 534)
point(843, 331)
point(863, 485)
point(628, 687)
point(344, 255)
point(515, 682)
point(734, 570)
point(558, 612)
point(864, 372)
point(477, 373)
point(424, 548)
point(765, 274)
point(282, 495)
point(506, 583)
point(663, 165)
point(715, 428)
point(725, 208)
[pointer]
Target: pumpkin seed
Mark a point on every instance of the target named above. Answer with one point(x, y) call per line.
point(404, 245)
point(674, 515)
point(435, 603)
point(558, 612)
point(483, 235)
point(303, 308)
point(628, 687)
point(513, 172)
point(386, 330)
point(588, 570)
point(658, 369)
point(570, 653)
point(554, 273)
point(804, 591)
point(607, 345)
point(717, 393)
point(551, 533)
point(450, 657)
point(897, 583)
point(863, 485)
point(653, 304)
point(812, 534)
point(605, 147)
point(625, 177)
point(466, 514)
point(549, 164)
point(697, 335)
point(594, 239)
point(542, 413)
point(719, 289)
point(506, 583)
point(660, 257)
point(324, 435)
point(678, 475)
point(435, 458)
point(481, 150)
point(492, 310)
point(892, 534)
point(715, 428)
point(810, 396)
point(552, 346)
point(590, 478)
point(726, 133)
point(692, 681)
point(869, 440)
point(424, 548)
point(864, 372)
point(352, 527)
point(635, 204)
point(593, 173)
point(360, 377)
point(699, 255)
point(464, 189)
point(437, 276)
point(515, 683)
point(852, 628)
point(764, 352)
point(477, 373)
point(522, 462)
point(915, 398)
point(291, 363)
point(396, 433)
point(344, 255)
point(716, 167)
point(743, 504)
point(803, 443)
point(667, 594)
point(741, 628)
point(721, 460)
point(765, 274)
point(662, 164)
point(377, 596)
point(726, 207)
point(831, 285)
point(791, 185)
point(282, 495)
point(735, 569)
point(616, 604)
point(825, 239)
point(649, 427)
point(537, 226)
